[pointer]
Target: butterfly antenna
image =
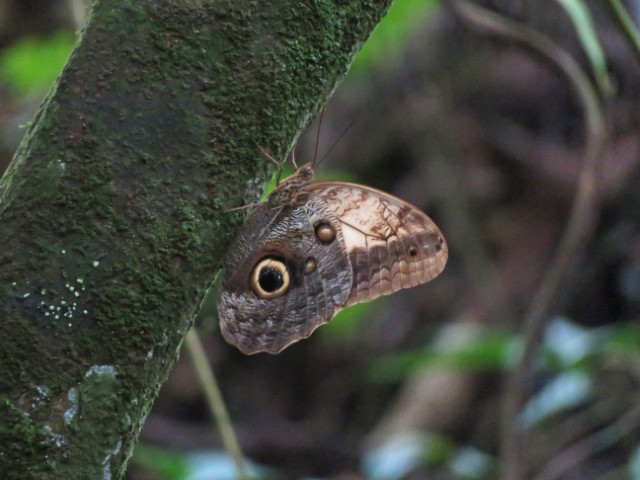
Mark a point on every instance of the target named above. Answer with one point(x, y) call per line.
point(244, 207)
point(268, 155)
point(344, 132)
point(275, 162)
point(315, 153)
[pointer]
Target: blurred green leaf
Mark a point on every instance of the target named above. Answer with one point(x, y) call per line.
point(348, 323)
point(168, 465)
point(287, 170)
point(335, 175)
point(491, 353)
point(624, 339)
point(626, 23)
point(388, 39)
point(163, 463)
point(580, 16)
point(438, 449)
point(32, 64)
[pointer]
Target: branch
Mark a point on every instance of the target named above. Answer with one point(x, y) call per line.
point(112, 213)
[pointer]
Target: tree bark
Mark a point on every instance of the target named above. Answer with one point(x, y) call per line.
point(112, 213)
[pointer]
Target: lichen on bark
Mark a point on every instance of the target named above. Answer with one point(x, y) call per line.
point(113, 213)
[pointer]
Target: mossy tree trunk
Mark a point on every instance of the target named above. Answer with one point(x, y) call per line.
point(112, 213)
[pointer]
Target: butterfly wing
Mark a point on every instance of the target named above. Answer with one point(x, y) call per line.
point(390, 244)
point(319, 278)
point(341, 245)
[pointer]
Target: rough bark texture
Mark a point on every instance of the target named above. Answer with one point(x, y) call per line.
point(112, 214)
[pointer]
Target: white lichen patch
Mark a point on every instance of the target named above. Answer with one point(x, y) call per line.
point(95, 264)
point(43, 391)
point(163, 341)
point(58, 439)
point(54, 302)
point(106, 463)
point(61, 305)
point(109, 370)
point(71, 412)
point(22, 294)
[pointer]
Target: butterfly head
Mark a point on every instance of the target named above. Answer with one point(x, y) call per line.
point(293, 190)
point(303, 174)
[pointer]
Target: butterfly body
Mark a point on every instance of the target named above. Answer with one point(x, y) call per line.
point(314, 248)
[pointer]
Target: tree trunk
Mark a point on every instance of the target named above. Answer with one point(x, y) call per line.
point(112, 213)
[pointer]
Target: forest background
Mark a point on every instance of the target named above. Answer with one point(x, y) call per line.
point(485, 128)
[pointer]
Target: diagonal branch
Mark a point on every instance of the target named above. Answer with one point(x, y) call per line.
point(113, 212)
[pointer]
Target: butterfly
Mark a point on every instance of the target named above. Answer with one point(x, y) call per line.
point(314, 248)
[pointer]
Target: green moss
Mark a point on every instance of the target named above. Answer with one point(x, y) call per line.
point(123, 181)
point(26, 439)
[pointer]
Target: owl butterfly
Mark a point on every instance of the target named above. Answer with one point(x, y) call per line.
point(314, 248)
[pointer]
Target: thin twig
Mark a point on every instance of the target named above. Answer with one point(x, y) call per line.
point(215, 402)
point(243, 207)
point(344, 132)
point(591, 445)
point(579, 226)
point(626, 24)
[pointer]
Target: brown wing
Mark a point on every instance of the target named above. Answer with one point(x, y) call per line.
point(256, 323)
point(390, 244)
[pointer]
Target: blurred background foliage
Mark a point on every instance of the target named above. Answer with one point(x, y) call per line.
point(487, 138)
point(31, 65)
